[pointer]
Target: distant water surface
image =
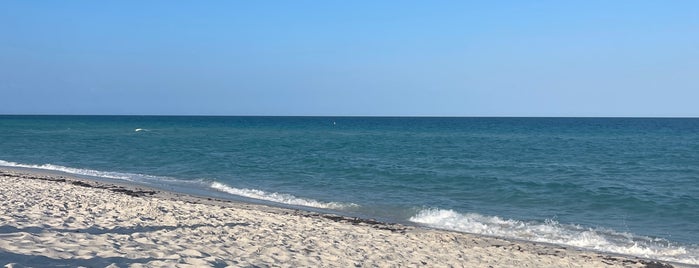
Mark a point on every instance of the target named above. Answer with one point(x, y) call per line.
point(623, 185)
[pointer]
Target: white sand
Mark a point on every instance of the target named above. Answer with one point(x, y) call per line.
point(50, 223)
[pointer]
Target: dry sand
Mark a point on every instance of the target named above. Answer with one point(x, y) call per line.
point(52, 220)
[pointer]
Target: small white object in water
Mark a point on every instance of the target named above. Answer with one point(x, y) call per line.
point(138, 129)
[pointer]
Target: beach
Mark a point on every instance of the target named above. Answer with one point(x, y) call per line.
point(51, 220)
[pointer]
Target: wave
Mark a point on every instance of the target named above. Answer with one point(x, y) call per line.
point(553, 232)
point(549, 231)
point(77, 171)
point(133, 177)
point(279, 197)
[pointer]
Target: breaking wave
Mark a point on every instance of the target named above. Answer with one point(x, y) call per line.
point(279, 197)
point(77, 171)
point(249, 193)
point(132, 177)
point(551, 231)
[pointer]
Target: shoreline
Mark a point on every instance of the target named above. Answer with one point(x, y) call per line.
point(125, 223)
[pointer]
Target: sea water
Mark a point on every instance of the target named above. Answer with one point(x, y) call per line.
point(622, 185)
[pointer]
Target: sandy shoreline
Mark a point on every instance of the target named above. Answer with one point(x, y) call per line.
point(51, 220)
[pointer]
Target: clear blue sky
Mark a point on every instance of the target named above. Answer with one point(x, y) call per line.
point(454, 58)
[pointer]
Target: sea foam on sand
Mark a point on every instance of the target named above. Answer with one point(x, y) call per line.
point(49, 220)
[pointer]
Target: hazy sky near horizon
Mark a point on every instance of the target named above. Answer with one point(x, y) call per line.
point(425, 58)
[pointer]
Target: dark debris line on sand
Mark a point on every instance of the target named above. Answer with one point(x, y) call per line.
point(371, 222)
point(114, 188)
point(647, 264)
point(656, 264)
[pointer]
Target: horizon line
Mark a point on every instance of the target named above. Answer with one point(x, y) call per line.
point(377, 116)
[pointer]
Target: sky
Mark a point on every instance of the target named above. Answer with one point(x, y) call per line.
point(350, 58)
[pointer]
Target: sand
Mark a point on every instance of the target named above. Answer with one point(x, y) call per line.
point(57, 220)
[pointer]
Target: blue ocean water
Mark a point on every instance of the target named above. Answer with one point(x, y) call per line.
point(623, 185)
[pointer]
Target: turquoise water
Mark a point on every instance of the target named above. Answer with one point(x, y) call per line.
point(620, 185)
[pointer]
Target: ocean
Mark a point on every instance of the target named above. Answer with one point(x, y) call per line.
point(620, 185)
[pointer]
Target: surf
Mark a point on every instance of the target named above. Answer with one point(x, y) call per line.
point(553, 232)
point(280, 197)
point(76, 171)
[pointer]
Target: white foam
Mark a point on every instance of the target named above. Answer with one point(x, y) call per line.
point(556, 233)
point(250, 193)
point(78, 171)
point(279, 197)
point(134, 177)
